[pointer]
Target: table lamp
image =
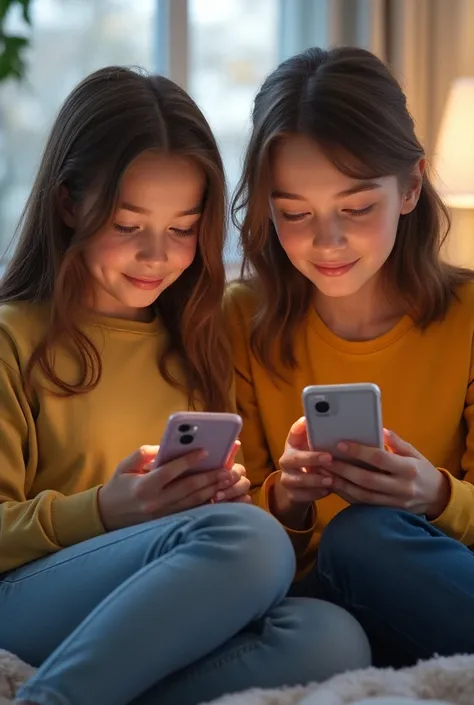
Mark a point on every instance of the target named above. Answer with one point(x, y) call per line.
point(454, 168)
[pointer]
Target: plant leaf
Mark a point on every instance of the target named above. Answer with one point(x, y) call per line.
point(5, 6)
point(12, 64)
point(26, 10)
point(13, 43)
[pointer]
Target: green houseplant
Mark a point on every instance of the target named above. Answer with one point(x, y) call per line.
point(12, 46)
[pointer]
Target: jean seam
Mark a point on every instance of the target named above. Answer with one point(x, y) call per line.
point(349, 604)
point(146, 527)
point(197, 670)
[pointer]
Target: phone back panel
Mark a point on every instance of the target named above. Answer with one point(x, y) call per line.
point(343, 412)
point(189, 431)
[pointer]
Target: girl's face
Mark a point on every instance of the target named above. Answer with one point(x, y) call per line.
point(336, 230)
point(150, 239)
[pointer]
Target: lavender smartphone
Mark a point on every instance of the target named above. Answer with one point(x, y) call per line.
point(188, 431)
point(343, 412)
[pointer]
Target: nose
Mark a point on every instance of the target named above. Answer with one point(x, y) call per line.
point(328, 235)
point(153, 247)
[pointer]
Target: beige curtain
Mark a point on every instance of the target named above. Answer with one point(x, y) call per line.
point(427, 43)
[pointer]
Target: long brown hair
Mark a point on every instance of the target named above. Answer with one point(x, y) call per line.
point(347, 100)
point(110, 118)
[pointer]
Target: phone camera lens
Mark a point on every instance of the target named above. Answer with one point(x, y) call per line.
point(322, 407)
point(186, 439)
point(184, 428)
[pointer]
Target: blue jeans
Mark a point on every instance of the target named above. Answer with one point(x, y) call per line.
point(383, 700)
point(178, 610)
point(409, 585)
point(397, 701)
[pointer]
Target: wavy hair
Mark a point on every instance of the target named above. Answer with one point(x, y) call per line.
point(110, 118)
point(346, 100)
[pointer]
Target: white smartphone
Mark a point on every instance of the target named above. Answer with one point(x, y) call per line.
point(187, 431)
point(343, 412)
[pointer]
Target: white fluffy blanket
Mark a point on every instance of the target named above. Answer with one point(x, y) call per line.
point(443, 679)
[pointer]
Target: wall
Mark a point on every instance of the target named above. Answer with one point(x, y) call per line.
point(460, 246)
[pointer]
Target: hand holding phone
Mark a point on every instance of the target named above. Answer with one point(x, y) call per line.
point(214, 433)
point(300, 482)
point(343, 412)
point(238, 490)
point(137, 493)
point(332, 414)
point(406, 479)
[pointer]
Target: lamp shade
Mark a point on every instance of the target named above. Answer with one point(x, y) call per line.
point(454, 157)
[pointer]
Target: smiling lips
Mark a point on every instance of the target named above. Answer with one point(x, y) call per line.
point(334, 269)
point(146, 284)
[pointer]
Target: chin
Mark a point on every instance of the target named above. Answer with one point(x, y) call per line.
point(145, 303)
point(337, 288)
point(136, 302)
point(339, 293)
point(342, 285)
point(141, 299)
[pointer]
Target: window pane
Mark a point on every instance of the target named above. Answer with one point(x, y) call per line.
point(233, 46)
point(71, 38)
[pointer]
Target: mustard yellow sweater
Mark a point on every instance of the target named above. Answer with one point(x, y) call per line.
point(427, 384)
point(55, 453)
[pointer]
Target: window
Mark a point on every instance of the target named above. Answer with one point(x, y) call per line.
point(86, 34)
point(220, 51)
point(233, 45)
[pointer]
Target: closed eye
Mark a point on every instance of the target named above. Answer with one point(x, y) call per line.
point(129, 229)
point(294, 217)
point(125, 229)
point(358, 212)
point(183, 233)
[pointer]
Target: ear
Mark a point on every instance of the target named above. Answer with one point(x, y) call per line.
point(412, 193)
point(67, 209)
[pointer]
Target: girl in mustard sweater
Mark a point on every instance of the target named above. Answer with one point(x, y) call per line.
point(121, 583)
point(341, 232)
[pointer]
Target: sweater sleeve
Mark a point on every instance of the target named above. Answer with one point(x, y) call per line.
point(457, 520)
point(256, 452)
point(31, 528)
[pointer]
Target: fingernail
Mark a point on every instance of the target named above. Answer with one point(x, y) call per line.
point(343, 447)
point(219, 496)
point(202, 454)
point(324, 459)
point(326, 481)
point(234, 475)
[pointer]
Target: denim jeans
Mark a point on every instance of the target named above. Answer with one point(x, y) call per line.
point(177, 610)
point(384, 700)
point(408, 584)
point(398, 701)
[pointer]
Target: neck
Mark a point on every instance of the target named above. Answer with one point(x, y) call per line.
point(365, 315)
point(107, 307)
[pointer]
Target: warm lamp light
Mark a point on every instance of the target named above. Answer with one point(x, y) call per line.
point(454, 156)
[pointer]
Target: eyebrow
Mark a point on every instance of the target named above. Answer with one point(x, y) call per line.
point(196, 210)
point(358, 188)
